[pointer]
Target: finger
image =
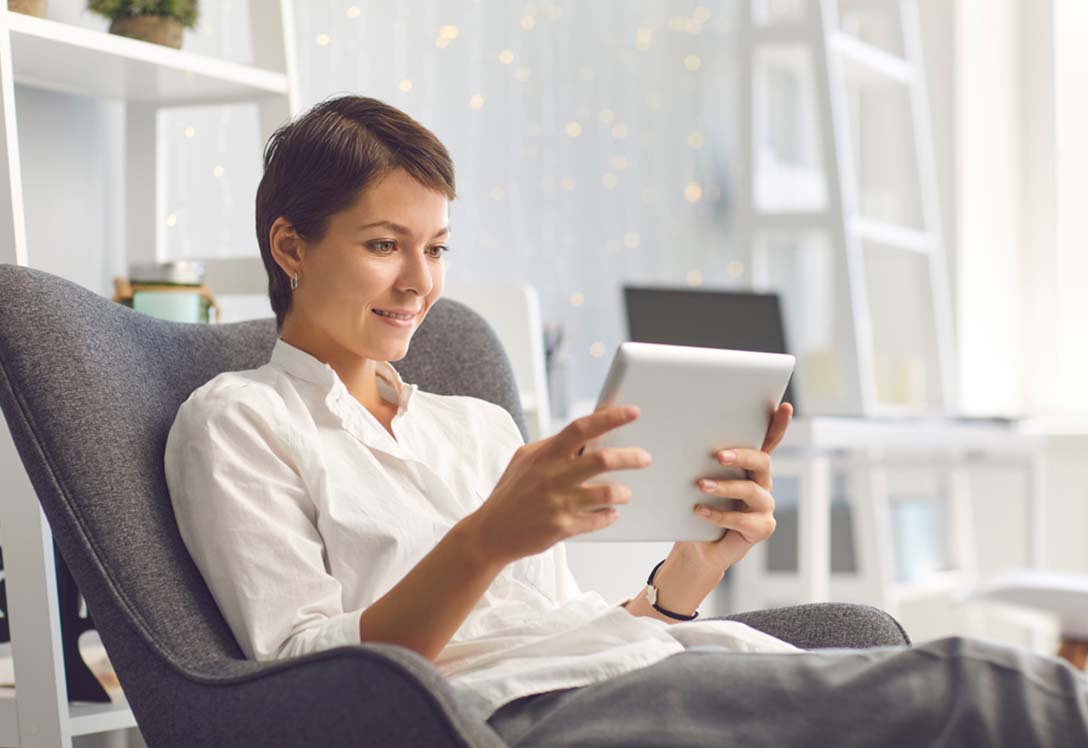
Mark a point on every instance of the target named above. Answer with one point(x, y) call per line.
point(755, 461)
point(776, 432)
point(602, 496)
point(590, 521)
point(754, 526)
point(605, 460)
point(755, 496)
point(581, 430)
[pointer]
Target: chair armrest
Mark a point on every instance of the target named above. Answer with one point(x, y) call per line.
point(382, 694)
point(827, 625)
point(367, 694)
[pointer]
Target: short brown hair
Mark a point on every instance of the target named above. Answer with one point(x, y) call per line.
point(317, 165)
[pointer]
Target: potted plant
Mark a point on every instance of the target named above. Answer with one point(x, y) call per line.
point(158, 21)
point(29, 7)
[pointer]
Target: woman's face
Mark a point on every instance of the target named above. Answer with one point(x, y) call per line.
point(383, 252)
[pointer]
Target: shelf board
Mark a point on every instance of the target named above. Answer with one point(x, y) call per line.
point(784, 585)
point(875, 65)
point(1066, 426)
point(781, 33)
point(803, 220)
point(86, 717)
point(893, 235)
point(909, 434)
point(70, 59)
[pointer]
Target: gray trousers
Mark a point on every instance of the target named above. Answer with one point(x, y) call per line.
point(954, 691)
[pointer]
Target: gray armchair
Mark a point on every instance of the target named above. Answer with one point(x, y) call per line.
point(89, 389)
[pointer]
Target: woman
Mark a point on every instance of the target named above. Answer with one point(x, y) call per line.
point(328, 502)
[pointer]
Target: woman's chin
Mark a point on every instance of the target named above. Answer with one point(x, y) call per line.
point(392, 350)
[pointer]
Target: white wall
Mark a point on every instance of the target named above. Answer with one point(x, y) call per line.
point(71, 151)
point(1021, 187)
point(1062, 384)
point(986, 140)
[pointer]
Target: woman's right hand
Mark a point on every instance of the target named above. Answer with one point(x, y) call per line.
point(540, 500)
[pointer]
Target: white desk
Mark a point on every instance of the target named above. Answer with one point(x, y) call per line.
point(870, 447)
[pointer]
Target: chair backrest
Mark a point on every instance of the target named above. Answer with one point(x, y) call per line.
point(90, 388)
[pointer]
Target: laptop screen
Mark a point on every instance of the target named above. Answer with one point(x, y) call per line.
point(738, 320)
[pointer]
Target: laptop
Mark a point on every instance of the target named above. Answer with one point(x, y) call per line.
point(708, 318)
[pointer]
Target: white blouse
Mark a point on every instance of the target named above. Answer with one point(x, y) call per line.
point(300, 510)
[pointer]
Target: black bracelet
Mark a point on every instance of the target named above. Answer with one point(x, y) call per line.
point(652, 597)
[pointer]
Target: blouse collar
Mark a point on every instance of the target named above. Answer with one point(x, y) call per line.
point(301, 364)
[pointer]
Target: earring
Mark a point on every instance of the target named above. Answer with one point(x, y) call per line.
point(294, 281)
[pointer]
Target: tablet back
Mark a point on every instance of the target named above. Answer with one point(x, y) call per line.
point(693, 402)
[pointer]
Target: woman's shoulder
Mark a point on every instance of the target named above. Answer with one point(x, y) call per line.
point(254, 390)
point(235, 384)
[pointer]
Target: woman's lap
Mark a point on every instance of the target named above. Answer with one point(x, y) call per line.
point(952, 691)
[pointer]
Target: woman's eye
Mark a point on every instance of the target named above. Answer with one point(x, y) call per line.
point(386, 246)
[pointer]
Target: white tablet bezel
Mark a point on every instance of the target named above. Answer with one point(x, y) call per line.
point(693, 402)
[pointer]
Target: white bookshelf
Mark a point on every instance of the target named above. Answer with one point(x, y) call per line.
point(70, 59)
point(146, 79)
point(853, 77)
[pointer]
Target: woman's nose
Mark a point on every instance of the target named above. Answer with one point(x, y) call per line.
point(415, 274)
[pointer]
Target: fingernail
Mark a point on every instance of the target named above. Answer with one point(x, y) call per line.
point(707, 484)
point(703, 511)
point(631, 411)
point(727, 456)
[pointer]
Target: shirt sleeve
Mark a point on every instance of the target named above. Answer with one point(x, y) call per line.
point(566, 586)
point(247, 520)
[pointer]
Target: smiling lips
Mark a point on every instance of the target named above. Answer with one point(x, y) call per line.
point(398, 313)
point(405, 318)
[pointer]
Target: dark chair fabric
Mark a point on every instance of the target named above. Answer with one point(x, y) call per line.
point(89, 389)
point(827, 625)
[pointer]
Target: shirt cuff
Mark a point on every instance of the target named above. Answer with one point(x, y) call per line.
point(338, 631)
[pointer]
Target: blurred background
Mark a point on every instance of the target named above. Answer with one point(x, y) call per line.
point(905, 181)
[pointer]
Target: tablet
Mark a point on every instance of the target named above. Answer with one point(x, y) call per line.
point(693, 402)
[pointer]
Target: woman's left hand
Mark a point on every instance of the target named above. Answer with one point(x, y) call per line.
point(752, 523)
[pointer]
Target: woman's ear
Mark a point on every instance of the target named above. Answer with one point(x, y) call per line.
point(288, 249)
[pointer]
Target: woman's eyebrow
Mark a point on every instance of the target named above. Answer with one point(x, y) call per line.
point(396, 228)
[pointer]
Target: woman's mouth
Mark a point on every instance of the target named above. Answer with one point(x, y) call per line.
point(397, 320)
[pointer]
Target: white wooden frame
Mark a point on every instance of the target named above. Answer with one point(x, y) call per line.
point(148, 78)
point(841, 220)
